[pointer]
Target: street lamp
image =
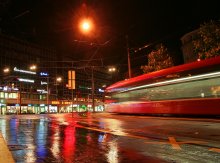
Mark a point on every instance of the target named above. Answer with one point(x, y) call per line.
point(6, 70)
point(112, 69)
point(33, 67)
point(86, 25)
point(58, 80)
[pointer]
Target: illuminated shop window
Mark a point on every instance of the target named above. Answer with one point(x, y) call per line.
point(2, 94)
point(42, 97)
point(6, 95)
point(12, 95)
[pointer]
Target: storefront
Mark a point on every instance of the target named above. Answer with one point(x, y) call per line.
point(3, 109)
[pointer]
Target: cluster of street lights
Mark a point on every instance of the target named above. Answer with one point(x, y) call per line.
point(32, 68)
point(112, 69)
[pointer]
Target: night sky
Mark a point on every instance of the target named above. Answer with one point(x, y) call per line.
point(54, 23)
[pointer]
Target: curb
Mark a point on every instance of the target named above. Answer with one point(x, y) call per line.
point(5, 154)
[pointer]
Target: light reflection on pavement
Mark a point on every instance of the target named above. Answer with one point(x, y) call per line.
point(97, 138)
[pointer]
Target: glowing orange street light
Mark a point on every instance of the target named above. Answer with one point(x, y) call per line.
point(59, 79)
point(86, 26)
point(6, 70)
point(33, 67)
point(112, 69)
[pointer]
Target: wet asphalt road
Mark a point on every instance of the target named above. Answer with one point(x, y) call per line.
point(102, 137)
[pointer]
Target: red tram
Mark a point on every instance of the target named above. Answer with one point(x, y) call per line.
point(192, 89)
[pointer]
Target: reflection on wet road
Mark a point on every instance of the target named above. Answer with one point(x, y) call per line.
point(63, 138)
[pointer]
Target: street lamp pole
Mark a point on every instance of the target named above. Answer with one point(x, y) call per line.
point(93, 90)
point(48, 95)
point(20, 98)
point(72, 99)
point(129, 63)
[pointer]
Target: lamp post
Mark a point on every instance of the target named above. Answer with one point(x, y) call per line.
point(20, 92)
point(129, 63)
point(112, 70)
point(86, 26)
point(58, 80)
point(48, 109)
point(93, 90)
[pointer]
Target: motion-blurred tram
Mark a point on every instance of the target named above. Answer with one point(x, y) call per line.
point(188, 89)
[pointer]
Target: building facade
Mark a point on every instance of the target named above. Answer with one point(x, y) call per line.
point(23, 90)
point(187, 46)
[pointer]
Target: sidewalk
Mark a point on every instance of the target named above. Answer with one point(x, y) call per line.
point(5, 154)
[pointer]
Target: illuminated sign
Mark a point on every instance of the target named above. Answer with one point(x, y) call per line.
point(44, 74)
point(26, 80)
point(71, 79)
point(43, 83)
point(101, 90)
point(5, 88)
point(55, 102)
point(41, 91)
point(24, 71)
